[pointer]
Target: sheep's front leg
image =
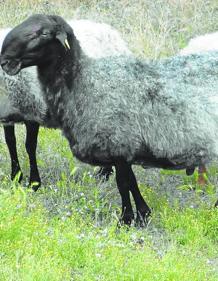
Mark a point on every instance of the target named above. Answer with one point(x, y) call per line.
point(32, 129)
point(123, 184)
point(11, 143)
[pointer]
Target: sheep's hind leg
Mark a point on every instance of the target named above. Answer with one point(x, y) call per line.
point(104, 173)
point(32, 129)
point(123, 183)
point(143, 211)
point(126, 182)
point(11, 143)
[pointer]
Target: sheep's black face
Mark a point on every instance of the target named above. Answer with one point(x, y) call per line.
point(32, 43)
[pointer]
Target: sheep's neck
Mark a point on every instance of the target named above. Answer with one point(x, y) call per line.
point(56, 72)
point(57, 78)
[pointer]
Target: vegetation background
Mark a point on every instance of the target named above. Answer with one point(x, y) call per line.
point(68, 229)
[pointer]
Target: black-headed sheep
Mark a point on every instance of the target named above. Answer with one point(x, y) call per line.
point(97, 40)
point(120, 110)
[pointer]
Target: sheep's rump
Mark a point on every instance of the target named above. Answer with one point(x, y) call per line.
point(142, 112)
point(22, 96)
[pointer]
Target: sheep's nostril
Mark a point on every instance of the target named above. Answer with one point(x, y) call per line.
point(4, 62)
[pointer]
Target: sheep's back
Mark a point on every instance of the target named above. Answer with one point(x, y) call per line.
point(99, 40)
point(199, 44)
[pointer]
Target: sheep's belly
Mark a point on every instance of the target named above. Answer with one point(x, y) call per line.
point(163, 163)
point(147, 160)
point(148, 163)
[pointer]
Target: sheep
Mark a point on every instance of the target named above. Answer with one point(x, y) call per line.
point(11, 111)
point(97, 40)
point(105, 39)
point(32, 132)
point(200, 44)
point(121, 110)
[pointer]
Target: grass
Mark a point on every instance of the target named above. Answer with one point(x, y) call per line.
point(35, 246)
point(68, 229)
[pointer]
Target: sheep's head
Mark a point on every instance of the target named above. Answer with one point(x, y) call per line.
point(34, 42)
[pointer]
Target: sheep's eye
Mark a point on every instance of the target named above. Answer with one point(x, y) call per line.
point(44, 34)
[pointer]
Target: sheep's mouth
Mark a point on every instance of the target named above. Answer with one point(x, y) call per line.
point(11, 67)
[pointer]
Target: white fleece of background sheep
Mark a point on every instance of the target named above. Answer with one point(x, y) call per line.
point(199, 44)
point(98, 39)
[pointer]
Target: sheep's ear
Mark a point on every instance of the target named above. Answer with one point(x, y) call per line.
point(62, 37)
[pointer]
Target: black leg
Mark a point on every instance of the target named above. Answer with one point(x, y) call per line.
point(104, 172)
point(123, 184)
point(126, 182)
point(32, 129)
point(143, 211)
point(11, 143)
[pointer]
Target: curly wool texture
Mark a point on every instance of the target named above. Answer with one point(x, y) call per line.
point(142, 112)
point(24, 98)
point(21, 97)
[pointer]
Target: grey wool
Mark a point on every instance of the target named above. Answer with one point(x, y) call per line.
point(21, 98)
point(121, 110)
point(126, 108)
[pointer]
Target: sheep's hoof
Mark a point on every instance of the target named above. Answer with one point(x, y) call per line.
point(17, 177)
point(35, 185)
point(142, 218)
point(190, 171)
point(104, 173)
point(126, 219)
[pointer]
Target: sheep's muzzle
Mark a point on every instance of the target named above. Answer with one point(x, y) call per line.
point(11, 67)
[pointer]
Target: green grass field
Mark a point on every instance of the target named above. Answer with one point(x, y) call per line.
point(68, 230)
